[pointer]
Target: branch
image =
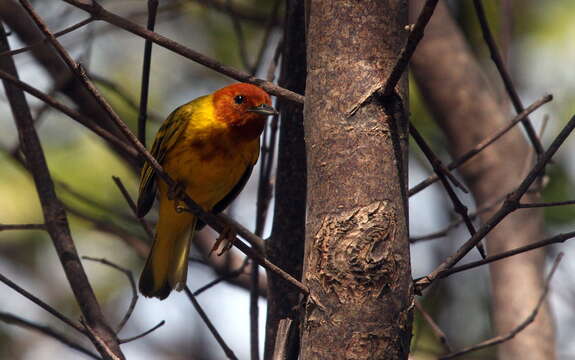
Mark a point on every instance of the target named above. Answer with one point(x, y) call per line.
point(46, 330)
point(4, 227)
point(130, 277)
point(53, 210)
point(143, 111)
point(559, 238)
point(127, 340)
point(483, 144)
point(503, 338)
point(443, 173)
point(434, 327)
point(229, 353)
point(100, 13)
point(509, 87)
point(406, 53)
point(41, 304)
point(509, 205)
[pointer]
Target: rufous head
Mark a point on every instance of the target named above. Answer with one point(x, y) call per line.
point(244, 108)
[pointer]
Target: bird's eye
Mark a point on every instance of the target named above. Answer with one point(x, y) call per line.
point(239, 99)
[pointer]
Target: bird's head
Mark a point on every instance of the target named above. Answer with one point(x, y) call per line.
point(244, 108)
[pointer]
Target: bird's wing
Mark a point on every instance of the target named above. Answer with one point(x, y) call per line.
point(166, 138)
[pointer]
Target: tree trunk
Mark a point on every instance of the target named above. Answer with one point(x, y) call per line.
point(357, 254)
point(286, 245)
point(465, 107)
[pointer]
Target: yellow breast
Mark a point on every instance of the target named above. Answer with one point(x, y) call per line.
point(208, 159)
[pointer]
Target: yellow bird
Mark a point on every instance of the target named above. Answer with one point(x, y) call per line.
point(209, 147)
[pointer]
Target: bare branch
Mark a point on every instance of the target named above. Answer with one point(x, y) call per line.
point(500, 64)
point(143, 112)
point(229, 353)
point(46, 330)
point(101, 14)
point(127, 340)
point(503, 338)
point(41, 304)
point(4, 227)
point(483, 144)
point(53, 210)
point(510, 205)
point(415, 36)
point(434, 327)
point(130, 277)
point(443, 173)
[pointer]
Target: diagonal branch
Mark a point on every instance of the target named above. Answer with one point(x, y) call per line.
point(511, 334)
point(510, 204)
point(483, 144)
point(46, 330)
point(100, 13)
point(54, 213)
point(509, 87)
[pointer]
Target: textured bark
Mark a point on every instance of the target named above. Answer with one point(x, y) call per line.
point(286, 245)
point(465, 107)
point(357, 255)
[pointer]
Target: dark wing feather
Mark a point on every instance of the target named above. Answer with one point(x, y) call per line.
point(227, 200)
point(167, 136)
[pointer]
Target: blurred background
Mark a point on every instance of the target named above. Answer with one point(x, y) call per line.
point(536, 37)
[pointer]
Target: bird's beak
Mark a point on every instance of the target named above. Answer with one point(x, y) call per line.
point(264, 109)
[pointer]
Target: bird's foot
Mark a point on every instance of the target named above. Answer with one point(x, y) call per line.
point(175, 193)
point(227, 237)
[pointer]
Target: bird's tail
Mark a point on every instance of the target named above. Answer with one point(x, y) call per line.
point(167, 264)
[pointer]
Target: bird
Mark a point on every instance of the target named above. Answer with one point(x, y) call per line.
point(208, 146)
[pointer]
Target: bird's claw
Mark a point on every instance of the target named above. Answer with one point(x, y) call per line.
point(175, 192)
point(227, 236)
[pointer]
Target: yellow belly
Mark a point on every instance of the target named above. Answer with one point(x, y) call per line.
point(208, 170)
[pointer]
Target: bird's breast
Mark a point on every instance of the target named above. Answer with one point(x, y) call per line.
point(210, 168)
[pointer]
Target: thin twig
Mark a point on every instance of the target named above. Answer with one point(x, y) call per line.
point(73, 114)
point(54, 214)
point(413, 39)
point(4, 227)
point(56, 34)
point(509, 87)
point(229, 353)
point(546, 204)
point(100, 13)
point(442, 172)
point(147, 228)
point(559, 238)
point(41, 304)
point(511, 334)
point(510, 204)
point(227, 276)
point(127, 340)
point(89, 201)
point(123, 94)
point(130, 277)
point(143, 113)
point(443, 232)
point(434, 327)
point(240, 38)
point(483, 144)
point(46, 330)
point(267, 35)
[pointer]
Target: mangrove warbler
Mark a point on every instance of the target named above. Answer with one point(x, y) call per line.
point(208, 146)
